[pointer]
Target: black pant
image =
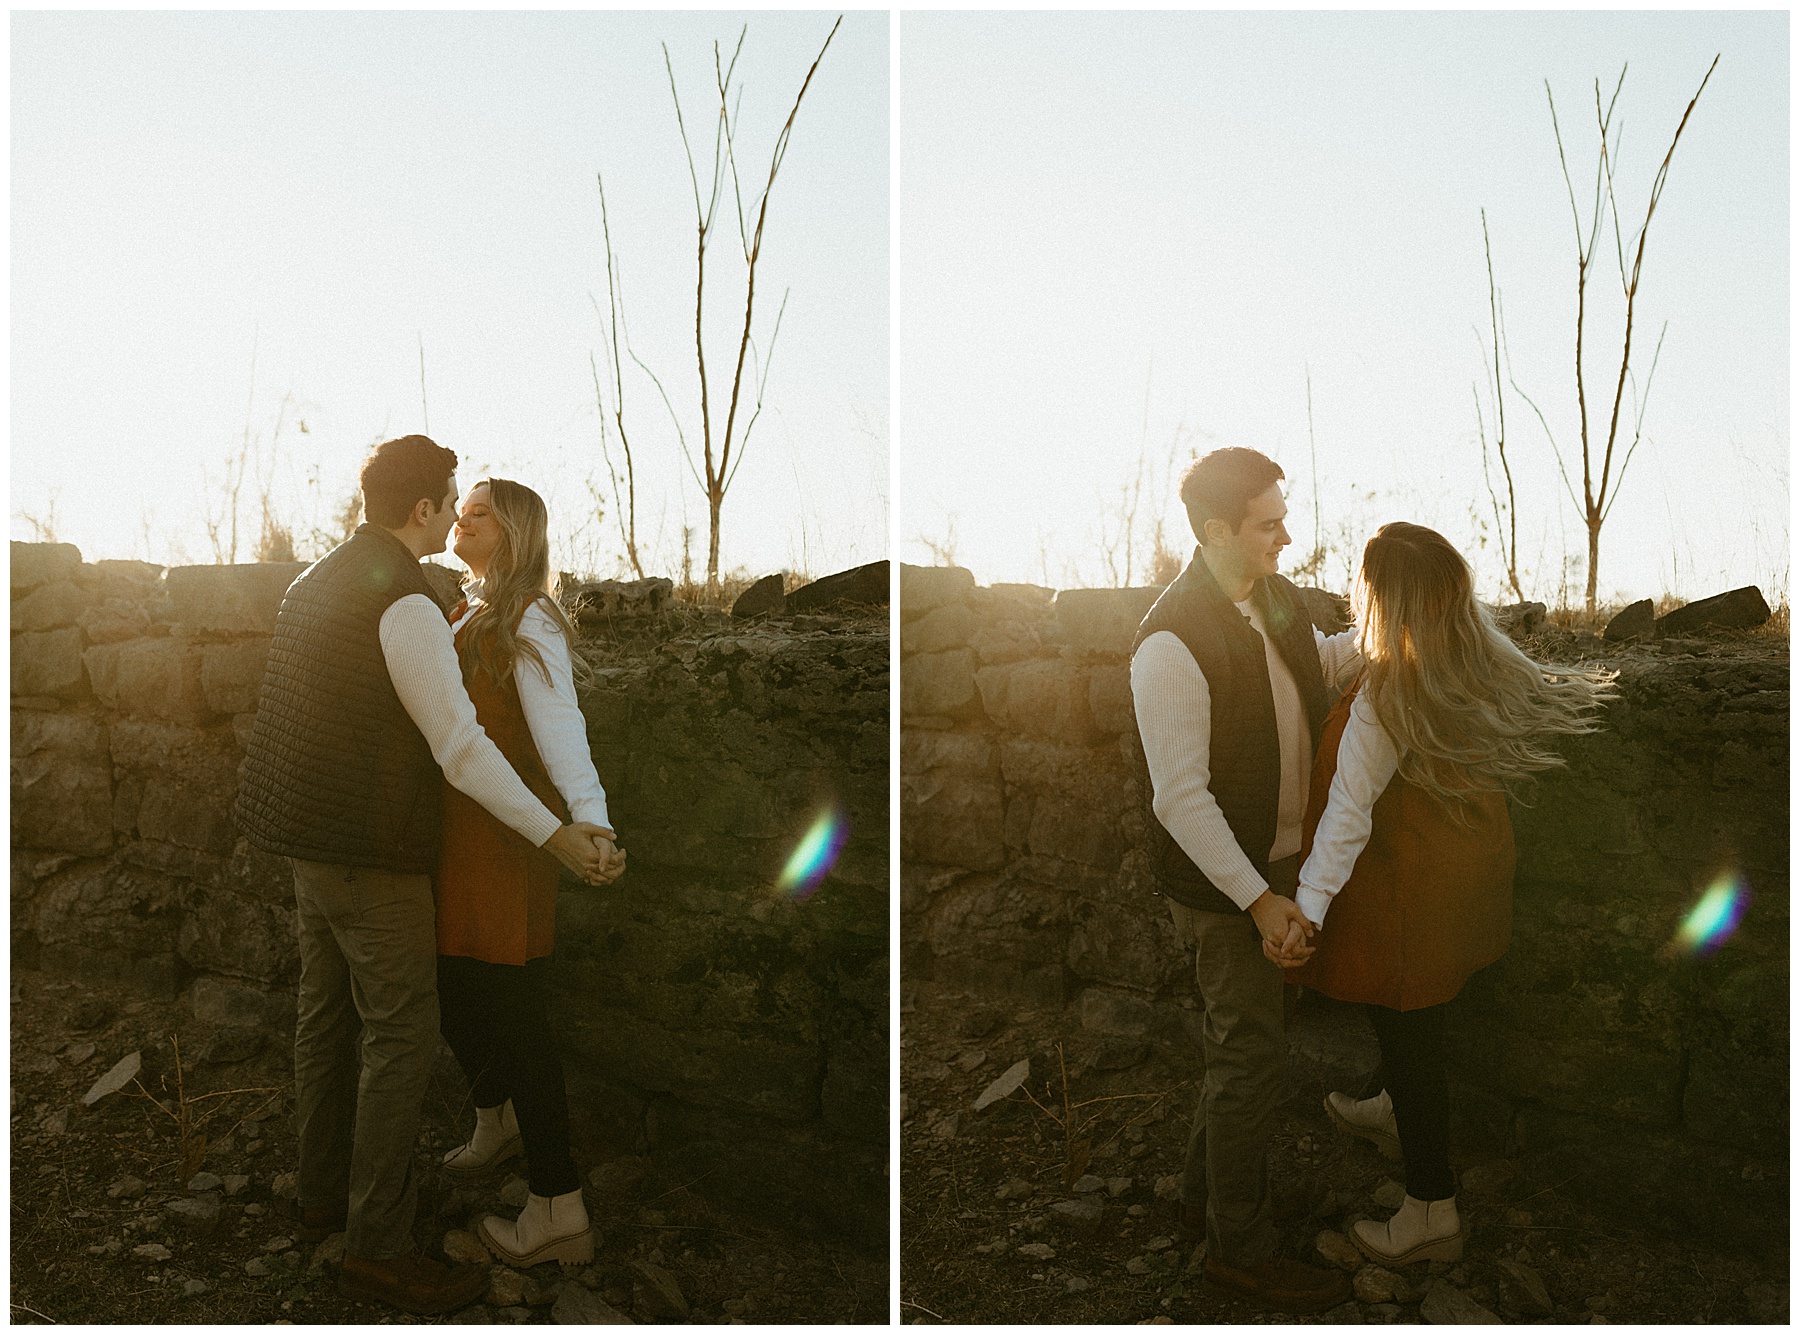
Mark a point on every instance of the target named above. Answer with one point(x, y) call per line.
point(493, 1018)
point(1412, 1072)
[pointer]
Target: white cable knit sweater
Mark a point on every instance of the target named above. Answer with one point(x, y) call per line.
point(557, 726)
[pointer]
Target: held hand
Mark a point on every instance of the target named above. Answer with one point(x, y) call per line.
point(1280, 922)
point(612, 860)
point(574, 846)
point(1293, 950)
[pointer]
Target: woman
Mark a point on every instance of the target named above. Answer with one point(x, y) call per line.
point(1411, 856)
point(497, 894)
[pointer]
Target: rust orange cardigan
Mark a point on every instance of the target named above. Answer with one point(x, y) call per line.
point(1429, 901)
point(496, 894)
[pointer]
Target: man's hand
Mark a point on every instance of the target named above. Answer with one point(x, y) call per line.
point(577, 847)
point(1293, 950)
point(1282, 924)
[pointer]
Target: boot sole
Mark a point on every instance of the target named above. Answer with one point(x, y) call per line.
point(507, 1152)
point(1438, 1249)
point(576, 1249)
point(1386, 1142)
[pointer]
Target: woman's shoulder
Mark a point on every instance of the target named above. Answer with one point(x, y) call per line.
point(540, 622)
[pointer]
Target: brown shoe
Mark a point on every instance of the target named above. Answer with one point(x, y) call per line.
point(318, 1222)
point(413, 1283)
point(1285, 1286)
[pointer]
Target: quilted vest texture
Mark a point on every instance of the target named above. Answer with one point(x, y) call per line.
point(1245, 747)
point(336, 770)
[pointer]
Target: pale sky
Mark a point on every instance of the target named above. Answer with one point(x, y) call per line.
point(329, 188)
point(1214, 204)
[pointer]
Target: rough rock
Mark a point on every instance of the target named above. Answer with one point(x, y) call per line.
point(1007, 1083)
point(329, 1254)
point(1741, 609)
point(514, 1191)
point(1373, 1284)
point(1636, 621)
point(576, 1306)
point(1168, 1187)
point(38, 563)
point(506, 1287)
point(1038, 1251)
point(1089, 1182)
point(763, 598)
point(1523, 1289)
point(241, 597)
point(925, 587)
point(655, 1293)
point(1520, 619)
point(205, 1182)
point(864, 584)
point(124, 1071)
point(463, 1246)
point(258, 1267)
point(50, 607)
point(608, 599)
point(1447, 1305)
point(127, 1188)
point(1083, 1215)
point(199, 1215)
point(1388, 1194)
point(48, 663)
point(152, 1251)
point(1338, 1250)
point(1101, 620)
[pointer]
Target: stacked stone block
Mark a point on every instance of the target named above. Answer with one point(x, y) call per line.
point(731, 1031)
point(1651, 1076)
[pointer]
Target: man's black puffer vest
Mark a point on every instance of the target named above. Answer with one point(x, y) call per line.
point(336, 770)
point(1245, 754)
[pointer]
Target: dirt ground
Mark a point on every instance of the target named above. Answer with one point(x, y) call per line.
point(104, 1231)
point(999, 1226)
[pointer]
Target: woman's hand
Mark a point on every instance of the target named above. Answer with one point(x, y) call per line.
point(1293, 951)
point(576, 846)
point(612, 860)
point(1284, 929)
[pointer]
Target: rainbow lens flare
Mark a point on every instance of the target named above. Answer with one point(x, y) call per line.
point(1710, 923)
point(815, 854)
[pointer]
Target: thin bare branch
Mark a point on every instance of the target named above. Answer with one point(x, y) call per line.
point(1639, 406)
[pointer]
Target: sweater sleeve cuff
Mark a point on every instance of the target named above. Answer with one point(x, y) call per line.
point(543, 824)
point(1245, 889)
point(1313, 903)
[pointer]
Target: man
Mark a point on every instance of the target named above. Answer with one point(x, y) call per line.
point(361, 718)
point(1228, 678)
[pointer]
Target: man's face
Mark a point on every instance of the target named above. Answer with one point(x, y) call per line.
point(437, 526)
point(1255, 549)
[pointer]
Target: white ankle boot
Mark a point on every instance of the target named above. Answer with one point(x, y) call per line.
point(1419, 1231)
point(496, 1140)
point(549, 1228)
point(1372, 1119)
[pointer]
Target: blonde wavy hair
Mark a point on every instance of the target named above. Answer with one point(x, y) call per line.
point(518, 575)
point(1463, 705)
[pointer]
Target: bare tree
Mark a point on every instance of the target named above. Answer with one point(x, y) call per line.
point(1506, 518)
point(1597, 498)
point(721, 469)
point(614, 332)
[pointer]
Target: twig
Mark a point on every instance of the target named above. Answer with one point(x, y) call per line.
point(908, 1302)
point(53, 1321)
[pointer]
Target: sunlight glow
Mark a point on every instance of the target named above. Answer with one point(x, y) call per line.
point(815, 854)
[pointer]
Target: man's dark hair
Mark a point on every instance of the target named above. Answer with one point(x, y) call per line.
point(1222, 485)
point(398, 474)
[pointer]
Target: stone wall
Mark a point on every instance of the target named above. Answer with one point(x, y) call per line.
point(734, 1034)
point(1649, 1081)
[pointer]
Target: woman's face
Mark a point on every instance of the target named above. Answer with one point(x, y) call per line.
point(477, 534)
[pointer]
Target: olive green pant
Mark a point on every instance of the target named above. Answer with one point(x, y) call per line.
point(364, 1042)
point(1244, 1041)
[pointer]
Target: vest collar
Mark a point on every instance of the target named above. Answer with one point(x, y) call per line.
point(1200, 578)
point(381, 534)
